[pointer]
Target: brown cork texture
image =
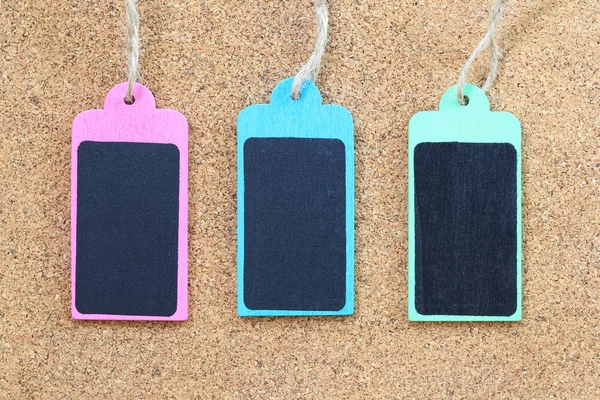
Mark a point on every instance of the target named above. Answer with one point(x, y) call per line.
point(386, 60)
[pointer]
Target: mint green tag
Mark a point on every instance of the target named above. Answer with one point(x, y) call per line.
point(464, 205)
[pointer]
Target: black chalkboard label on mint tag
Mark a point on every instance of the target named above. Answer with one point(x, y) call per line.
point(466, 229)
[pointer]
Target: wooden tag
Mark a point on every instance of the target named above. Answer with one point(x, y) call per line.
point(464, 212)
point(129, 205)
point(295, 206)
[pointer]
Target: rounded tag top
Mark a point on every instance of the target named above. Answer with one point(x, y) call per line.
point(143, 98)
point(282, 94)
point(478, 101)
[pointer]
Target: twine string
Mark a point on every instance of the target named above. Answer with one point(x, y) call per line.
point(133, 47)
point(489, 40)
point(310, 70)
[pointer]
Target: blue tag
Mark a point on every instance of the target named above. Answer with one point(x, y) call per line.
point(295, 206)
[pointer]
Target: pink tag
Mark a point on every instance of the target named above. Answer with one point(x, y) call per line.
point(129, 210)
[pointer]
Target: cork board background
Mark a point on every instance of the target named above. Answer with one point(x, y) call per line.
point(386, 60)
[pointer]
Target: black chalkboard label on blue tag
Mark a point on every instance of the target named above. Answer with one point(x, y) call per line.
point(464, 212)
point(295, 207)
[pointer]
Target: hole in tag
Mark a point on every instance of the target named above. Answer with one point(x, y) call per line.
point(129, 102)
point(299, 95)
point(465, 101)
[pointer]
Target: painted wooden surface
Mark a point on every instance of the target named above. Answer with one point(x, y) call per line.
point(306, 117)
point(473, 123)
point(140, 122)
